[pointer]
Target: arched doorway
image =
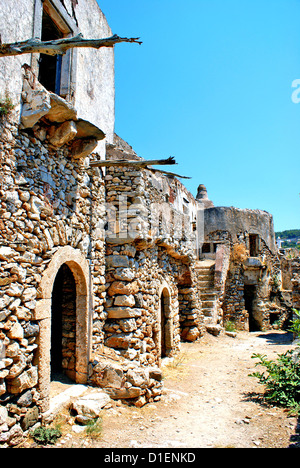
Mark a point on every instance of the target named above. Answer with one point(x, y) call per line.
point(65, 293)
point(166, 335)
point(63, 324)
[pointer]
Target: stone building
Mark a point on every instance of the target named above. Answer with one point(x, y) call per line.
point(153, 302)
point(240, 254)
point(52, 252)
point(103, 272)
point(80, 291)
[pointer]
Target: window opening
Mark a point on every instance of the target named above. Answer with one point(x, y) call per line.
point(253, 245)
point(274, 317)
point(50, 67)
point(206, 248)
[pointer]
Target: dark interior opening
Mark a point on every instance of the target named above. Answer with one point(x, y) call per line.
point(249, 296)
point(274, 317)
point(206, 248)
point(253, 245)
point(163, 325)
point(50, 66)
point(63, 324)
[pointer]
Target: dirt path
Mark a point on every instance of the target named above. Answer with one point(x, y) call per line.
point(207, 401)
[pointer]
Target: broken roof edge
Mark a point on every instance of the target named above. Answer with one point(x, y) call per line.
point(120, 149)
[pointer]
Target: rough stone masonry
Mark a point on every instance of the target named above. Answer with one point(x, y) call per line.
point(103, 273)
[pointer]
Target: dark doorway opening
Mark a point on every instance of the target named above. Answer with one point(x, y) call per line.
point(253, 245)
point(166, 323)
point(50, 65)
point(249, 296)
point(63, 324)
point(163, 325)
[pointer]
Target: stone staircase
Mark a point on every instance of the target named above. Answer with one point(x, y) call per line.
point(205, 270)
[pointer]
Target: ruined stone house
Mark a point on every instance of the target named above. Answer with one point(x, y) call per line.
point(240, 251)
point(103, 272)
point(76, 295)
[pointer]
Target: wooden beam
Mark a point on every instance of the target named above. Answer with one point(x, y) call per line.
point(60, 46)
point(169, 174)
point(140, 165)
point(126, 163)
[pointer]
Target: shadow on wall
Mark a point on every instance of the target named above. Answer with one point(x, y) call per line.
point(295, 438)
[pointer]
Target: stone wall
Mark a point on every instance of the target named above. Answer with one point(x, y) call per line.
point(236, 221)
point(249, 286)
point(296, 282)
point(95, 85)
point(49, 202)
point(150, 255)
point(124, 379)
point(268, 306)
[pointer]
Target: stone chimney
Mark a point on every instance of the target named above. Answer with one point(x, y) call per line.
point(203, 198)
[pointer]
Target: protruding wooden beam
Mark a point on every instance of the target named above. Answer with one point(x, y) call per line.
point(140, 165)
point(127, 162)
point(60, 46)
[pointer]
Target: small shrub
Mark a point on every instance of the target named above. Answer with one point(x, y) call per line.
point(6, 105)
point(295, 328)
point(282, 377)
point(94, 428)
point(282, 380)
point(176, 368)
point(230, 326)
point(46, 435)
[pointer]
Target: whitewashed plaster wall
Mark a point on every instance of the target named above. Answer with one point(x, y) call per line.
point(16, 24)
point(94, 88)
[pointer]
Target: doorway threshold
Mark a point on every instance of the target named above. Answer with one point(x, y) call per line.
point(61, 395)
point(59, 383)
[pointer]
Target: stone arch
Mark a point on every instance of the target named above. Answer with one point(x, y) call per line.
point(79, 266)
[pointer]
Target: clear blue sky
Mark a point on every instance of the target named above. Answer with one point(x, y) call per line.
point(212, 86)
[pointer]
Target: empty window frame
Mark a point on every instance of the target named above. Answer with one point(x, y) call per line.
point(253, 245)
point(55, 73)
point(50, 66)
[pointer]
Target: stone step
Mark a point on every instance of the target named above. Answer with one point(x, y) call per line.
point(207, 295)
point(205, 275)
point(206, 280)
point(206, 283)
point(205, 272)
point(62, 400)
point(202, 266)
point(83, 399)
point(208, 312)
point(208, 304)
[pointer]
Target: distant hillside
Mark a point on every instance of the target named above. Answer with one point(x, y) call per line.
point(289, 238)
point(290, 234)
